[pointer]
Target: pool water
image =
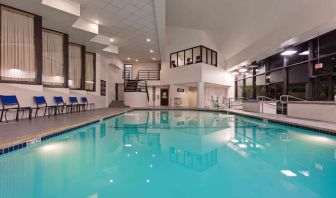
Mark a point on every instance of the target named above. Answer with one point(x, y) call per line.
point(161, 154)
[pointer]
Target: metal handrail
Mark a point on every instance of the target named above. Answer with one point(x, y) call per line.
point(265, 98)
point(284, 102)
point(287, 97)
point(148, 75)
point(239, 99)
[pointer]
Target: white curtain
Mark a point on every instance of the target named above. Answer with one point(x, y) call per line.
point(17, 46)
point(75, 66)
point(53, 60)
point(89, 71)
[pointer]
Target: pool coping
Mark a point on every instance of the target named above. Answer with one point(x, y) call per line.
point(24, 141)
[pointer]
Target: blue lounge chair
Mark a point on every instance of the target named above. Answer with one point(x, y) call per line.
point(61, 105)
point(87, 104)
point(11, 103)
point(41, 102)
point(75, 105)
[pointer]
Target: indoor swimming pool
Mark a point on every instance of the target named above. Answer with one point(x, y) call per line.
point(174, 154)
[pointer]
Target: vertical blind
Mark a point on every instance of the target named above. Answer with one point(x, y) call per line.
point(75, 66)
point(17, 46)
point(53, 60)
point(89, 72)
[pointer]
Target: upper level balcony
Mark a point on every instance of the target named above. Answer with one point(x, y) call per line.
point(199, 54)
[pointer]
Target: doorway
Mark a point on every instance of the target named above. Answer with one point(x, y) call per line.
point(128, 70)
point(164, 93)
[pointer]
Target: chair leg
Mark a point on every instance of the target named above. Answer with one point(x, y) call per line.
point(17, 114)
point(36, 112)
point(45, 111)
point(6, 116)
point(2, 111)
point(30, 113)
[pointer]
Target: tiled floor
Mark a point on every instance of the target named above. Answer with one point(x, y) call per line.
point(17, 132)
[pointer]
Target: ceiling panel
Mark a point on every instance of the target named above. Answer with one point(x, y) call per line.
point(129, 22)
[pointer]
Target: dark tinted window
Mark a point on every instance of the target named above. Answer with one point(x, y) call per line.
point(301, 55)
point(328, 65)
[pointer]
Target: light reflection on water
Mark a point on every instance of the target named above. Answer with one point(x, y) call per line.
point(175, 154)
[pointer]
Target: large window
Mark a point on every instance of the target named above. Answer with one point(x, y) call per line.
point(199, 54)
point(90, 71)
point(327, 65)
point(301, 55)
point(53, 58)
point(18, 62)
point(240, 85)
point(297, 81)
point(322, 88)
point(260, 85)
point(248, 89)
point(75, 66)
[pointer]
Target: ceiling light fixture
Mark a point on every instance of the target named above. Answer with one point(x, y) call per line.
point(136, 60)
point(154, 58)
point(151, 51)
point(128, 58)
point(305, 53)
point(97, 22)
point(289, 51)
point(235, 73)
point(148, 40)
point(242, 70)
point(111, 39)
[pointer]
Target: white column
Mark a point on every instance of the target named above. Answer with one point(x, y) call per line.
point(200, 95)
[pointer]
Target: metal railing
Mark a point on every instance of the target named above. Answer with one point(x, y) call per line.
point(237, 101)
point(148, 75)
point(265, 98)
point(136, 86)
point(284, 99)
point(269, 101)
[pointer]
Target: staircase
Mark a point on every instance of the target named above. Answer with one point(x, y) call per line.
point(136, 86)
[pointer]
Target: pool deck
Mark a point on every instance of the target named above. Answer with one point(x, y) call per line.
point(14, 133)
point(310, 124)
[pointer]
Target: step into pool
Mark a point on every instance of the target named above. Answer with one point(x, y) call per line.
point(174, 154)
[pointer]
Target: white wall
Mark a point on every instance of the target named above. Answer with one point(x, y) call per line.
point(182, 95)
point(199, 72)
point(157, 96)
point(214, 92)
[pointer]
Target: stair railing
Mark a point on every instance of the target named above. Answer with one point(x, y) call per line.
point(263, 99)
point(284, 99)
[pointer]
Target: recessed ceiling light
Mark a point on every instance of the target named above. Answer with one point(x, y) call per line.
point(151, 51)
point(128, 58)
point(111, 39)
point(289, 52)
point(97, 22)
point(243, 70)
point(154, 58)
point(136, 60)
point(235, 73)
point(148, 40)
point(304, 53)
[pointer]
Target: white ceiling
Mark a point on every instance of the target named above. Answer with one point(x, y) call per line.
point(237, 24)
point(129, 22)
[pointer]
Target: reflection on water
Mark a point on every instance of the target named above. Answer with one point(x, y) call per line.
point(175, 154)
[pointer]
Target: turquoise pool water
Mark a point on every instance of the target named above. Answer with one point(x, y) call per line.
point(161, 154)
